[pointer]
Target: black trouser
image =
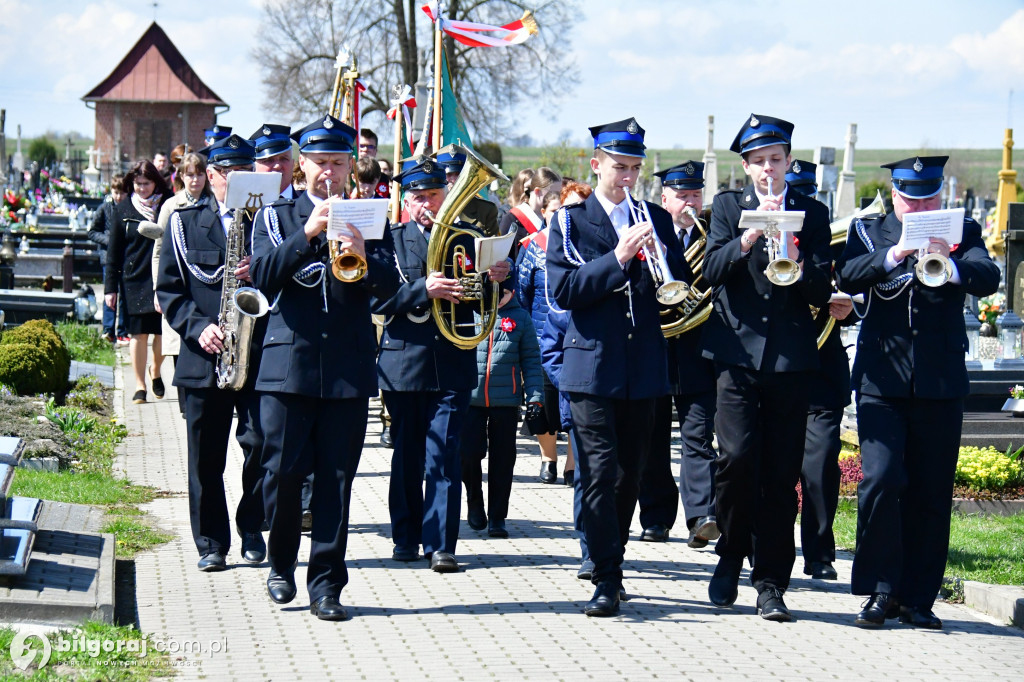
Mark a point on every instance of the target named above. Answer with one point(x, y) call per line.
point(489, 431)
point(659, 496)
point(325, 437)
point(208, 414)
point(819, 485)
point(614, 437)
point(908, 449)
point(425, 494)
point(760, 424)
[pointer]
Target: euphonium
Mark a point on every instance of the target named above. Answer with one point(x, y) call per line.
point(346, 265)
point(239, 308)
point(695, 307)
point(450, 259)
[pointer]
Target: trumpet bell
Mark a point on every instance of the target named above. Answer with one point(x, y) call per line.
point(672, 293)
point(933, 270)
point(782, 272)
point(348, 266)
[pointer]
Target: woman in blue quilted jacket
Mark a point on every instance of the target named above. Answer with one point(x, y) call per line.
point(508, 367)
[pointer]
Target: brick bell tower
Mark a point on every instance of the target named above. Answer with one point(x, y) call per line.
point(152, 101)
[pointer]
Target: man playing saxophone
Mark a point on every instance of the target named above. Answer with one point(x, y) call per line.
point(318, 373)
point(426, 380)
point(190, 287)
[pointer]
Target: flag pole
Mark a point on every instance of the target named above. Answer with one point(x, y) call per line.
point(396, 168)
point(438, 57)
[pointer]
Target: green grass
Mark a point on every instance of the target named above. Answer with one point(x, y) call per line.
point(133, 536)
point(92, 488)
point(120, 666)
point(85, 343)
point(985, 548)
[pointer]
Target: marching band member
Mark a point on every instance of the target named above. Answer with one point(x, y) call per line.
point(692, 380)
point(479, 212)
point(216, 134)
point(762, 339)
point(318, 369)
point(274, 154)
point(615, 363)
point(189, 290)
point(426, 381)
point(910, 380)
point(829, 394)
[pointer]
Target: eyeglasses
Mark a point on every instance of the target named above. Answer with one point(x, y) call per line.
point(367, 146)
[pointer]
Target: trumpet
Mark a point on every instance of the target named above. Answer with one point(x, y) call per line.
point(782, 270)
point(932, 269)
point(346, 265)
point(671, 291)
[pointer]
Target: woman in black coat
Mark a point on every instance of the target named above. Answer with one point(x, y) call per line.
point(129, 262)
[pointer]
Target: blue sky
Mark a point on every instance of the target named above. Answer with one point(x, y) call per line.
point(910, 74)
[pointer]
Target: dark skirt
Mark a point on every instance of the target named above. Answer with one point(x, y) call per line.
point(550, 421)
point(146, 323)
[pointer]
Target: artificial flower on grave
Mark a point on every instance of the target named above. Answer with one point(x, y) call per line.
point(991, 307)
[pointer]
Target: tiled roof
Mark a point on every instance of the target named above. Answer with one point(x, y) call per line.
point(153, 71)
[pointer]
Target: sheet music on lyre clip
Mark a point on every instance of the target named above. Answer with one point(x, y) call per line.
point(919, 227)
point(491, 250)
point(369, 216)
point(251, 190)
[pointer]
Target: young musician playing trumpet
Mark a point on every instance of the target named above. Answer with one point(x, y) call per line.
point(615, 365)
point(762, 339)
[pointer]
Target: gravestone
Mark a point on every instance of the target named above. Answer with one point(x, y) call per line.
point(1015, 257)
point(710, 164)
point(846, 192)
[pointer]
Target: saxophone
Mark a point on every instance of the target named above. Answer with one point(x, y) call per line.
point(240, 306)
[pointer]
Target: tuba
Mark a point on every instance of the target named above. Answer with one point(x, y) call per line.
point(446, 256)
point(695, 307)
point(239, 306)
point(840, 228)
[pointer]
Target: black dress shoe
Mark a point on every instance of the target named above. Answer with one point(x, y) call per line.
point(695, 541)
point(307, 520)
point(876, 609)
point(605, 601)
point(707, 528)
point(406, 554)
point(656, 533)
point(328, 608)
point(280, 588)
point(443, 562)
point(723, 587)
point(385, 439)
point(476, 517)
point(496, 529)
point(586, 571)
point(212, 562)
point(254, 549)
point(569, 477)
point(919, 617)
point(548, 472)
point(771, 607)
point(821, 570)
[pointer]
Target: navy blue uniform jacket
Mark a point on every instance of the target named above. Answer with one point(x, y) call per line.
point(414, 356)
point(310, 351)
point(754, 323)
point(191, 305)
point(914, 344)
point(611, 350)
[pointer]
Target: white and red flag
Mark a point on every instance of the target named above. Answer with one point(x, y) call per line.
point(484, 35)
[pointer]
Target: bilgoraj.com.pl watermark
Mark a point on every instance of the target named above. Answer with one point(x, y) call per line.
point(29, 648)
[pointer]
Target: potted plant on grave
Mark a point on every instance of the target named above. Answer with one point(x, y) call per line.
point(1015, 403)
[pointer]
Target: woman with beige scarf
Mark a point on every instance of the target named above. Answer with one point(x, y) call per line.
point(129, 260)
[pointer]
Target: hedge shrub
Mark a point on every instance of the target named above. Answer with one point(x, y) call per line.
point(42, 369)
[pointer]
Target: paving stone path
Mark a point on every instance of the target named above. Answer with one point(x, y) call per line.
point(514, 611)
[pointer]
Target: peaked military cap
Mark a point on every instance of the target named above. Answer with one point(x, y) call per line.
point(687, 175)
point(327, 135)
point(802, 177)
point(271, 139)
point(230, 151)
point(421, 173)
point(451, 159)
point(762, 131)
point(217, 132)
point(624, 137)
point(918, 177)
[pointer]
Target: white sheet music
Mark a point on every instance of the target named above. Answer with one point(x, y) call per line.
point(248, 189)
point(491, 250)
point(367, 215)
point(919, 227)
